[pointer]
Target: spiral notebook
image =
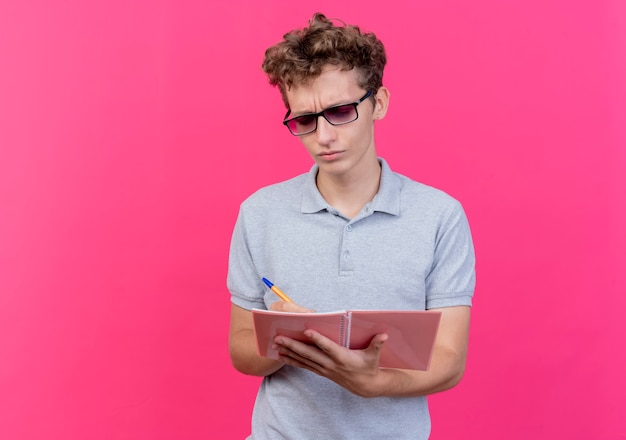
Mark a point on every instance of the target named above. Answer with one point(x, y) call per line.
point(411, 333)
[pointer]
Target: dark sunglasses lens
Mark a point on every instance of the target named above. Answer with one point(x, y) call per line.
point(341, 114)
point(302, 124)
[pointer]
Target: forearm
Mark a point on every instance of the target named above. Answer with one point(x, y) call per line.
point(446, 370)
point(244, 357)
point(447, 364)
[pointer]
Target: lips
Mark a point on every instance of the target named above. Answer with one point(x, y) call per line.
point(330, 154)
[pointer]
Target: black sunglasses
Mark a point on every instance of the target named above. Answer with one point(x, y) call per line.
point(336, 115)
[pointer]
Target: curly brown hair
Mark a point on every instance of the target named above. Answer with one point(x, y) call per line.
point(303, 54)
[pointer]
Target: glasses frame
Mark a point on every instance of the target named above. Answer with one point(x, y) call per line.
point(323, 114)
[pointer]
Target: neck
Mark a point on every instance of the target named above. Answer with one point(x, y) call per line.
point(350, 194)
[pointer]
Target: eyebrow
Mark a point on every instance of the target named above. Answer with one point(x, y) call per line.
point(298, 114)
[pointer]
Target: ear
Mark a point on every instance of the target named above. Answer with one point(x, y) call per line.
point(381, 103)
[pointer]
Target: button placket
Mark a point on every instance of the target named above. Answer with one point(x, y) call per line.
point(346, 266)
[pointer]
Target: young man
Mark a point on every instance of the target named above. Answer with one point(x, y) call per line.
point(349, 234)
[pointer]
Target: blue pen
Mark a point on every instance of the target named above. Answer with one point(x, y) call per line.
point(276, 290)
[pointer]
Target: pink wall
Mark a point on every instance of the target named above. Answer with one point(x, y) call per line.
point(122, 165)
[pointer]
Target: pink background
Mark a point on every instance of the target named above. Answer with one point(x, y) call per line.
point(130, 131)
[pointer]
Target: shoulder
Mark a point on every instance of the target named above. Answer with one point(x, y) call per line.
point(273, 204)
point(422, 196)
point(410, 192)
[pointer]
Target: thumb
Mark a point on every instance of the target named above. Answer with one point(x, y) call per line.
point(377, 343)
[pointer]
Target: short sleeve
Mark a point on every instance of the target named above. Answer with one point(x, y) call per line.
point(452, 278)
point(243, 280)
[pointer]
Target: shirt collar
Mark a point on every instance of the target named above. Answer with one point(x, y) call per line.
point(386, 200)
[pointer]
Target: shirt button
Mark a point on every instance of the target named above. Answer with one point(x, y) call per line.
point(348, 228)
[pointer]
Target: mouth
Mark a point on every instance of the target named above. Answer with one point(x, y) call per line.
point(330, 155)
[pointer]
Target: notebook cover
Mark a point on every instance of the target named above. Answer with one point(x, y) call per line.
point(411, 333)
point(269, 324)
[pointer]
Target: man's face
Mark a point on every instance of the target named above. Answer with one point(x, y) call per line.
point(339, 150)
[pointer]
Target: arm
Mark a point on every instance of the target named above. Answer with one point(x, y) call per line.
point(357, 370)
point(242, 345)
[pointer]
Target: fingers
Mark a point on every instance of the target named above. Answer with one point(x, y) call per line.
point(325, 352)
point(301, 354)
point(328, 346)
point(322, 342)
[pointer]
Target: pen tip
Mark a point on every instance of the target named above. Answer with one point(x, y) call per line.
point(268, 282)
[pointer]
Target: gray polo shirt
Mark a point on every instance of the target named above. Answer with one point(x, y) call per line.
point(409, 248)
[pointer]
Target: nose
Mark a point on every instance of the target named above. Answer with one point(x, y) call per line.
point(326, 133)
